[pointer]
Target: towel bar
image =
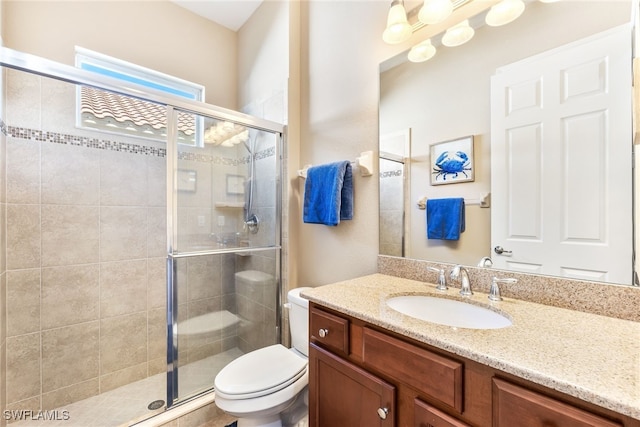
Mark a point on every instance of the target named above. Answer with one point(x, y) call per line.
point(484, 201)
point(364, 163)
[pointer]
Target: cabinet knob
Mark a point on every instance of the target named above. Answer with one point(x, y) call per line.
point(382, 413)
point(323, 333)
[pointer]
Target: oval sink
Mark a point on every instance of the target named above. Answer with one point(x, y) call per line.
point(448, 312)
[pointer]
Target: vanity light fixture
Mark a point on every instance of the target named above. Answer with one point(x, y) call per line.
point(458, 34)
point(421, 52)
point(434, 11)
point(398, 28)
point(504, 12)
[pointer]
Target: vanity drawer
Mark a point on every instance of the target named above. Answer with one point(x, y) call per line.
point(429, 373)
point(515, 405)
point(329, 331)
point(425, 415)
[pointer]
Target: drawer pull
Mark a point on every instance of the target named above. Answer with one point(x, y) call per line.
point(323, 333)
point(382, 413)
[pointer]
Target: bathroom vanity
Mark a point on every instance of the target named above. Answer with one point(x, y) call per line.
point(373, 366)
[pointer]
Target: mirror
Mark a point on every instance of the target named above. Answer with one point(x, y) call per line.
point(448, 98)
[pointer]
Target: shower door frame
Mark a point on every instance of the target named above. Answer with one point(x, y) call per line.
point(29, 63)
point(172, 236)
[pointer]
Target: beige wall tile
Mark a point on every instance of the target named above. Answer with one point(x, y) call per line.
point(157, 334)
point(70, 295)
point(204, 277)
point(157, 282)
point(32, 403)
point(123, 233)
point(23, 302)
point(58, 106)
point(157, 232)
point(23, 99)
point(122, 377)
point(123, 287)
point(157, 181)
point(70, 175)
point(64, 396)
point(123, 342)
point(23, 367)
point(123, 179)
point(23, 236)
point(3, 237)
point(69, 355)
point(69, 235)
point(23, 171)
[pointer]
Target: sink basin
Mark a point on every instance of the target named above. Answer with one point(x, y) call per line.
point(448, 312)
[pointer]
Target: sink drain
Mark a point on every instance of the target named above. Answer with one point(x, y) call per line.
point(156, 404)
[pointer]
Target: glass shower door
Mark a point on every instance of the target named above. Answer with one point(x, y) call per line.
point(224, 246)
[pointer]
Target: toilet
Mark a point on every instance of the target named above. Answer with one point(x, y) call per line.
point(259, 386)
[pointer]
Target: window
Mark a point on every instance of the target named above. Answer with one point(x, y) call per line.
point(114, 113)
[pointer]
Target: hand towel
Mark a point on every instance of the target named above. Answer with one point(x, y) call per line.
point(445, 218)
point(328, 194)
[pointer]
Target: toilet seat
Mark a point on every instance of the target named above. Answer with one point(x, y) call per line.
point(259, 373)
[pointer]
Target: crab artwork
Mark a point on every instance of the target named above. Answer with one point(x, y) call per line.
point(451, 164)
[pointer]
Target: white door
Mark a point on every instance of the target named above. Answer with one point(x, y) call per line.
point(561, 173)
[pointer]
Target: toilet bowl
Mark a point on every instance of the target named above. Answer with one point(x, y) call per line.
point(258, 386)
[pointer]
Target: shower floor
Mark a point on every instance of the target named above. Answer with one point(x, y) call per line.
point(121, 406)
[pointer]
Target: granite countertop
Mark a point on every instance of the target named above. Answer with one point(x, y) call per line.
point(588, 356)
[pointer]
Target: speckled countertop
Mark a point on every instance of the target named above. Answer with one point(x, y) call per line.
point(588, 356)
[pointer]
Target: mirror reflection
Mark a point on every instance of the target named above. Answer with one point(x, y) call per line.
point(548, 101)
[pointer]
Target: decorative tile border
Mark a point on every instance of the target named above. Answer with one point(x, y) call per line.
point(124, 147)
point(391, 174)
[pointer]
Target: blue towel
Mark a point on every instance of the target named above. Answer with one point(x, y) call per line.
point(328, 194)
point(445, 218)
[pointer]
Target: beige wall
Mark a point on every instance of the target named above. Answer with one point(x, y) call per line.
point(339, 120)
point(158, 35)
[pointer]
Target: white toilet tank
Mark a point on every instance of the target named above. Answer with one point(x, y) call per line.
point(299, 320)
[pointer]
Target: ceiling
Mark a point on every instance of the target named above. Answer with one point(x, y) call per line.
point(228, 13)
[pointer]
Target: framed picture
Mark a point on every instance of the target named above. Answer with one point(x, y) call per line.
point(452, 161)
point(187, 180)
point(235, 184)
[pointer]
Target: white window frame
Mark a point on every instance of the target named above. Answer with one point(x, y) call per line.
point(131, 73)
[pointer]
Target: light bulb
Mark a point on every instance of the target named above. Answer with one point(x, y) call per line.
point(421, 52)
point(504, 12)
point(458, 34)
point(434, 11)
point(398, 28)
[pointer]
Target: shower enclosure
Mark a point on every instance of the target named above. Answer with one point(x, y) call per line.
point(137, 267)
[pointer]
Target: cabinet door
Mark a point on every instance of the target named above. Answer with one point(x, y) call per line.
point(342, 394)
point(516, 406)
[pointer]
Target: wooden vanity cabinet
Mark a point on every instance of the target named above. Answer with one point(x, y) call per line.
point(364, 376)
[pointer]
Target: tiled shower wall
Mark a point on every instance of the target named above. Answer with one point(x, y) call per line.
point(86, 247)
point(85, 253)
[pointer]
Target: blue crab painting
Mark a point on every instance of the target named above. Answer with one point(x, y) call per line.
point(450, 164)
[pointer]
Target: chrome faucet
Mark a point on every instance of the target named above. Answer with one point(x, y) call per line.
point(459, 271)
point(494, 292)
point(442, 280)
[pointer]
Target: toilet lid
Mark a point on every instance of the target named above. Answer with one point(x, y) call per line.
point(260, 372)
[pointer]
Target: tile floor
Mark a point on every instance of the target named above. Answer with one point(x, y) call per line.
point(118, 407)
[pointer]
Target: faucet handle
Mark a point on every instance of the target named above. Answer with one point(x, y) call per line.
point(442, 280)
point(494, 292)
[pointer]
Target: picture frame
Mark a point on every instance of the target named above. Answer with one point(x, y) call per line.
point(187, 180)
point(235, 184)
point(452, 161)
